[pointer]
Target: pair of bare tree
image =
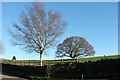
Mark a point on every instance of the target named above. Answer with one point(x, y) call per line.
point(38, 29)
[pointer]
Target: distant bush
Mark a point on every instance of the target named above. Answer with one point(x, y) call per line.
point(14, 58)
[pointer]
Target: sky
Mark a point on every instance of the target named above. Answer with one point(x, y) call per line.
point(97, 22)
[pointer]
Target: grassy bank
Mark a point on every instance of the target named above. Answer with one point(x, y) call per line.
point(46, 62)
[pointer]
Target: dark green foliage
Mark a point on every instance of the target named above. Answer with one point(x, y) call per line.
point(24, 71)
point(14, 58)
point(104, 69)
point(101, 69)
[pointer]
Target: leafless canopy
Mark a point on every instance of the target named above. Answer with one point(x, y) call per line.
point(37, 29)
point(74, 46)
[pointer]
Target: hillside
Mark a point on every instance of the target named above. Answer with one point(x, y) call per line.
point(45, 62)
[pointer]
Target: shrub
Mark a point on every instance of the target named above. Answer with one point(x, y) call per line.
point(14, 58)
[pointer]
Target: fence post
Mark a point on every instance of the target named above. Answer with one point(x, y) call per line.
point(15, 62)
point(77, 60)
point(34, 63)
point(61, 60)
point(29, 62)
point(49, 62)
point(48, 70)
point(20, 63)
point(39, 63)
point(24, 62)
point(82, 76)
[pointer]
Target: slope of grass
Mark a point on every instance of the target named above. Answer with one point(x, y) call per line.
point(45, 62)
point(85, 59)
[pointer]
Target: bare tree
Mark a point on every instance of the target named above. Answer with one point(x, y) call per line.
point(74, 46)
point(38, 29)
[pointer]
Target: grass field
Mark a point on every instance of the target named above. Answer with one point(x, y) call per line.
point(45, 62)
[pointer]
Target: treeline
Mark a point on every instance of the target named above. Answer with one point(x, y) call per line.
point(101, 69)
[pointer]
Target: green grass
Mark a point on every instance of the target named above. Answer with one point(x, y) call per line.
point(84, 59)
point(46, 62)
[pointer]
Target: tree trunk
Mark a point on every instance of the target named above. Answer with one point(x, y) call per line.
point(40, 59)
